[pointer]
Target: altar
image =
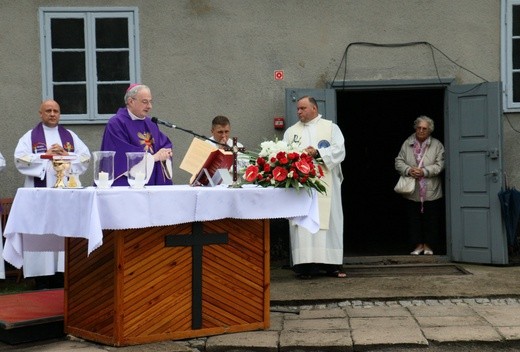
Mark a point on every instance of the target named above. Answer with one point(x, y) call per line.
point(161, 263)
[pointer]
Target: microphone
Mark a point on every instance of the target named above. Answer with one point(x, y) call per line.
point(165, 123)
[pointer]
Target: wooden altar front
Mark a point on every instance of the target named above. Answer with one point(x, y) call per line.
point(170, 282)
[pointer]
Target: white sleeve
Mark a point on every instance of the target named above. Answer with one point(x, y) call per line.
point(27, 162)
point(334, 154)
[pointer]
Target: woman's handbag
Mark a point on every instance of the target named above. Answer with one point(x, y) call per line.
point(405, 185)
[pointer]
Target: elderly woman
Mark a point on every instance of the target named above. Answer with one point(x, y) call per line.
point(422, 157)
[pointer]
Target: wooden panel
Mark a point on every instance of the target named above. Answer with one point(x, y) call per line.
point(134, 289)
point(156, 280)
point(89, 286)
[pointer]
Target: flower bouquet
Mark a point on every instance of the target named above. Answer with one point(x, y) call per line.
point(279, 164)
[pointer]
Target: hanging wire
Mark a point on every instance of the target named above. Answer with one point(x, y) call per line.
point(510, 124)
point(432, 48)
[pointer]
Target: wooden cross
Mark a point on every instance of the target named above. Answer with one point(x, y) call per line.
point(235, 149)
point(197, 239)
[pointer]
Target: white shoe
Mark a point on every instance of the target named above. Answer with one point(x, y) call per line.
point(417, 251)
point(428, 252)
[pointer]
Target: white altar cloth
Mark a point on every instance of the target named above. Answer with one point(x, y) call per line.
point(41, 217)
point(2, 265)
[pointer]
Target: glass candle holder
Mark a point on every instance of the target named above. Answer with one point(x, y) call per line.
point(104, 168)
point(137, 168)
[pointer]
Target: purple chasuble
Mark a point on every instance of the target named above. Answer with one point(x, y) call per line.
point(122, 134)
point(39, 145)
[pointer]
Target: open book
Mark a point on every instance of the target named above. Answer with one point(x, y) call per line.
point(202, 160)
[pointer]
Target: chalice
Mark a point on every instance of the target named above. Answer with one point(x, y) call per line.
point(60, 164)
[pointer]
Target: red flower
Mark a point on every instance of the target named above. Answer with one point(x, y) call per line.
point(306, 157)
point(260, 161)
point(267, 167)
point(279, 173)
point(293, 156)
point(303, 166)
point(282, 158)
point(251, 173)
point(320, 170)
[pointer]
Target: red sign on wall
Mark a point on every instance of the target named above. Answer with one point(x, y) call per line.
point(278, 75)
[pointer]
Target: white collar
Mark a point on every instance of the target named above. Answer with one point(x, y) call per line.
point(313, 121)
point(134, 117)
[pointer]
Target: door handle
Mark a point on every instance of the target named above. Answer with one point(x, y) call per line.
point(493, 173)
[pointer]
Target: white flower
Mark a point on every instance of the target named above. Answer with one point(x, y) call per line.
point(271, 148)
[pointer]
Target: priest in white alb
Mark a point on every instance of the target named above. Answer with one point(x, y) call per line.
point(321, 252)
point(49, 138)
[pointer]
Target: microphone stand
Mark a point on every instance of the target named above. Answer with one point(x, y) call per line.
point(235, 149)
point(157, 121)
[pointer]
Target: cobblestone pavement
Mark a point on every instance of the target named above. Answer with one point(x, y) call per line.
point(408, 303)
point(456, 324)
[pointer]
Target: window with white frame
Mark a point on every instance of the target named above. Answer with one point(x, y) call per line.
point(511, 54)
point(89, 57)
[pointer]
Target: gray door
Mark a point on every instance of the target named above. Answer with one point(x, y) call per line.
point(474, 174)
point(326, 99)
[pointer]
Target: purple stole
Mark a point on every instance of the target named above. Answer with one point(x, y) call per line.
point(40, 146)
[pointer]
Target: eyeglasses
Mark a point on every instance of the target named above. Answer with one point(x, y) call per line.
point(144, 101)
point(421, 128)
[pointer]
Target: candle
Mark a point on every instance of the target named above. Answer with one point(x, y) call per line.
point(103, 181)
point(137, 180)
point(139, 176)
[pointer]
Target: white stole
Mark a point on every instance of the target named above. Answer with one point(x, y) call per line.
point(323, 131)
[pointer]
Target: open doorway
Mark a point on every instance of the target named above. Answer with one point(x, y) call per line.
point(375, 123)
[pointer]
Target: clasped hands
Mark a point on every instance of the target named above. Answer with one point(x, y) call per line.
point(163, 154)
point(56, 149)
point(416, 172)
point(311, 151)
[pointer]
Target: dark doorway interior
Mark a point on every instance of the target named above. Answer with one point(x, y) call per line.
point(375, 123)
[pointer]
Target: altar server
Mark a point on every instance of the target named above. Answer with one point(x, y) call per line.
point(221, 132)
point(48, 137)
point(321, 139)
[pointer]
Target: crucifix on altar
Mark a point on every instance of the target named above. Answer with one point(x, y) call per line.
point(235, 149)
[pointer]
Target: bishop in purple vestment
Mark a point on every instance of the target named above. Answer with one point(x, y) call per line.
point(132, 130)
